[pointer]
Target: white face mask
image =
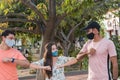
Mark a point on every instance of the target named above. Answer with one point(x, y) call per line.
point(10, 42)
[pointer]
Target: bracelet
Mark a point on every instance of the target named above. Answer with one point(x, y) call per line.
point(13, 59)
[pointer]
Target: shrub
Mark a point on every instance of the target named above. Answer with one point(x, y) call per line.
point(117, 45)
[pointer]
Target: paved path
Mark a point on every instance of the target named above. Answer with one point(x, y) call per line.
point(73, 75)
point(76, 75)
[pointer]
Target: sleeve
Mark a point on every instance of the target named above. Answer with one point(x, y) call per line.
point(66, 59)
point(40, 62)
point(18, 55)
point(84, 48)
point(111, 49)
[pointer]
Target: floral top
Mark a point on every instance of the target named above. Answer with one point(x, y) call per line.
point(58, 74)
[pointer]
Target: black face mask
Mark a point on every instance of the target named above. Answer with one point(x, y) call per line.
point(90, 35)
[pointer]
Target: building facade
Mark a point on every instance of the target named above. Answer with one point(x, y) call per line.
point(112, 23)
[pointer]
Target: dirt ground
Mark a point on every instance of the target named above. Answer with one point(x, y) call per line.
point(73, 75)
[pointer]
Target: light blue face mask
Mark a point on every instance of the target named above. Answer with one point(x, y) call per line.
point(10, 42)
point(55, 53)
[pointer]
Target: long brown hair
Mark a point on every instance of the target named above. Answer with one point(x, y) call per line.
point(48, 58)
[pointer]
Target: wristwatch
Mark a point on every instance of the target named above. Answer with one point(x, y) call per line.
point(13, 59)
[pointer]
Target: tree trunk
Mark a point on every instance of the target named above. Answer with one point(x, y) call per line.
point(66, 48)
point(66, 51)
point(40, 75)
point(49, 33)
point(46, 37)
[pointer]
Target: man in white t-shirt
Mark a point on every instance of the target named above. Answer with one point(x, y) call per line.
point(98, 49)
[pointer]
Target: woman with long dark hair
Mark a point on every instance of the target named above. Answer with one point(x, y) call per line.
point(55, 64)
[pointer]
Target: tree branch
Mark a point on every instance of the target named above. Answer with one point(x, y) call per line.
point(60, 18)
point(33, 7)
point(73, 29)
point(16, 19)
point(17, 14)
point(59, 38)
point(19, 29)
point(64, 36)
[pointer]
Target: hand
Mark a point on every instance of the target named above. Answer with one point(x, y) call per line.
point(59, 66)
point(5, 60)
point(78, 57)
point(81, 55)
point(91, 51)
point(47, 68)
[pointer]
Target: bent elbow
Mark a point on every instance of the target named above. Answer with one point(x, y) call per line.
point(27, 64)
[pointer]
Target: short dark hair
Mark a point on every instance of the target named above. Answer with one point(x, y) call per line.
point(7, 32)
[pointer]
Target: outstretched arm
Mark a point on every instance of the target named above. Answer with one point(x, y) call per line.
point(23, 63)
point(40, 67)
point(70, 62)
point(81, 55)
